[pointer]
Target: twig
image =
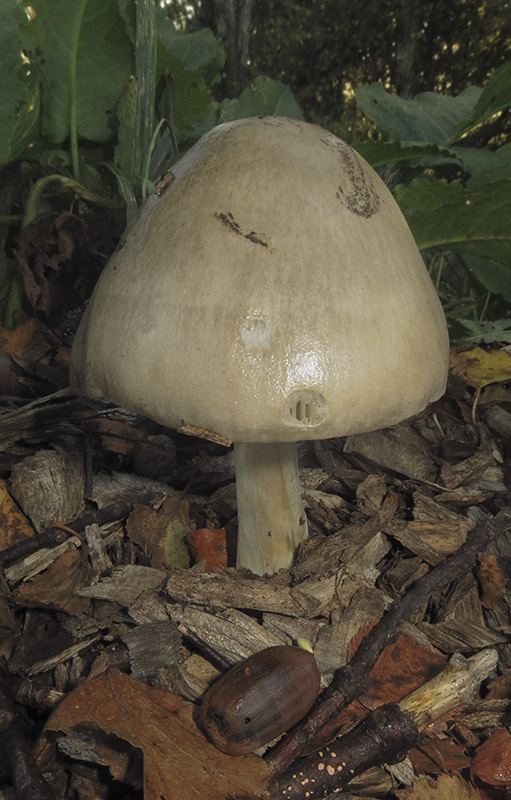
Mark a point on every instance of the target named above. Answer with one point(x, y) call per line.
point(386, 735)
point(350, 681)
point(16, 750)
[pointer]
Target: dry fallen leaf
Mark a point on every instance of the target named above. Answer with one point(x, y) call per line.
point(444, 788)
point(401, 668)
point(438, 756)
point(161, 532)
point(179, 762)
point(14, 525)
point(486, 366)
point(208, 545)
point(14, 341)
point(58, 585)
point(492, 761)
point(491, 579)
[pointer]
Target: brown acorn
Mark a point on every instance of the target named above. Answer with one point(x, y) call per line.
point(260, 698)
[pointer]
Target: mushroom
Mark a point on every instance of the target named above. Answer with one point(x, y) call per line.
point(270, 291)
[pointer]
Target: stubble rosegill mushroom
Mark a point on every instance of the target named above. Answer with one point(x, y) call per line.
point(270, 291)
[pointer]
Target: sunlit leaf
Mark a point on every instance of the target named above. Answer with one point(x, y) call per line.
point(495, 97)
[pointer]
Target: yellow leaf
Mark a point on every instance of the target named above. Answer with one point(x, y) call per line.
point(484, 367)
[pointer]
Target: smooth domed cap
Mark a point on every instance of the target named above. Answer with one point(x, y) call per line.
point(269, 291)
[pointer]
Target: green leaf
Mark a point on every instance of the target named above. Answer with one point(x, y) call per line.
point(199, 52)
point(14, 85)
point(191, 100)
point(445, 216)
point(265, 97)
point(430, 118)
point(85, 60)
point(484, 165)
point(378, 154)
point(486, 332)
point(493, 276)
point(495, 97)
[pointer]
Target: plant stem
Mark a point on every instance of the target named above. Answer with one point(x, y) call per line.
point(73, 124)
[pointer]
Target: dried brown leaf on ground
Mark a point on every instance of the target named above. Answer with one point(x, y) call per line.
point(14, 525)
point(491, 578)
point(439, 756)
point(179, 762)
point(444, 788)
point(492, 761)
point(161, 532)
point(14, 341)
point(57, 587)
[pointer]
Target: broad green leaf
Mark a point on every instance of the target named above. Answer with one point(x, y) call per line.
point(191, 100)
point(484, 165)
point(267, 96)
point(199, 51)
point(85, 62)
point(380, 153)
point(445, 216)
point(493, 276)
point(430, 118)
point(495, 97)
point(14, 85)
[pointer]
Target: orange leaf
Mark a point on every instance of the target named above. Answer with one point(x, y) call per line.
point(179, 762)
point(209, 545)
point(491, 578)
point(492, 761)
point(14, 526)
point(15, 341)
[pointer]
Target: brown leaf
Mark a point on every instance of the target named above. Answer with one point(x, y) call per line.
point(14, 525)
point(446, 787)
point(57, 586)
point(500, 687)
point(209, 545)
point(161, 532)
point(491, 579)
point(401, 668)
point(179, 762)
point(492, 761)
point(14, 341)
point(438, 756)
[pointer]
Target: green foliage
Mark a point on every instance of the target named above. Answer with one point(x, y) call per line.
point(430, 117)
point(96, 100)
point(456, 198)
point(264, 97)
point(324, 48)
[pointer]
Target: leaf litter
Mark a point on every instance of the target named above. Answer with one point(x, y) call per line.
point(103, 623)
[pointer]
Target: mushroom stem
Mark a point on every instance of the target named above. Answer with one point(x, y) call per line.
point(271, 518)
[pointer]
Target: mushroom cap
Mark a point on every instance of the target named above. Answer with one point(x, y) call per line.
point(270, 290)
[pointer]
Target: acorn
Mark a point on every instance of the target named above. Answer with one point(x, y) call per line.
point(260, 698)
